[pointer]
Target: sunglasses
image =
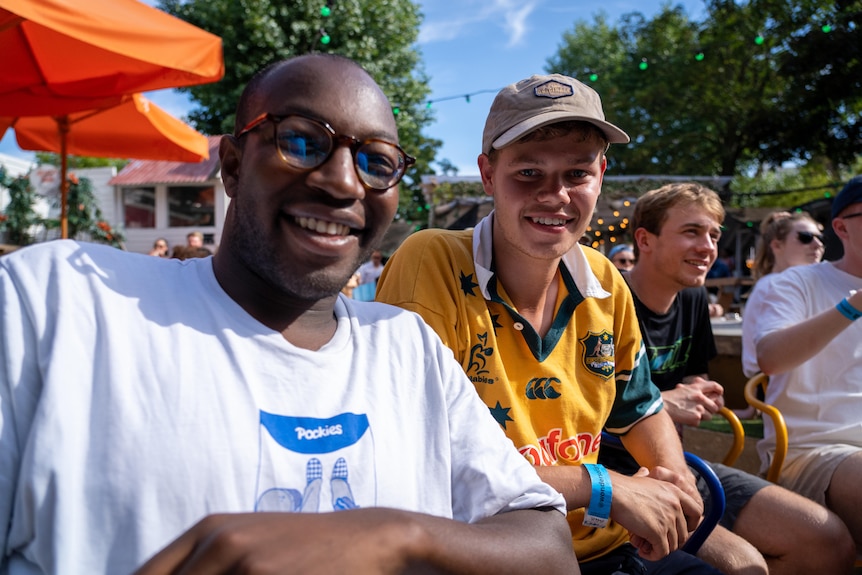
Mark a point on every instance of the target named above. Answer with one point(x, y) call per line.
point(808, 237)
point(305, 144)
point(624, 260)
point(850, 216)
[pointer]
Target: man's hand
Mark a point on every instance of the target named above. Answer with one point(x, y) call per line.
point(361, 541)
point(658, 514)
point(695, 400)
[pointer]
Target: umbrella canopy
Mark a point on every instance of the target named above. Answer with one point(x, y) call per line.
point(61, 56)
point(133, 128)
point(136, 128)
point(64, 56)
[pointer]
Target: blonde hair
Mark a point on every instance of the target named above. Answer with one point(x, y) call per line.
point(776, 226)
point(652, 208)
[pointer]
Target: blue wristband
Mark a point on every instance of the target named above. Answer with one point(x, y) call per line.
point(599, 510)
point(848, 310)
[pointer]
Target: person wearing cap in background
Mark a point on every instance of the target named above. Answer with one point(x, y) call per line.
point(622, 256)
point(764, 528)
point(809, 342)
point(546, 330)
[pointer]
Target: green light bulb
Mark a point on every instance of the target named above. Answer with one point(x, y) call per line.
point(699, 56)
point(826, 28)
point(594, 77)
point(643, 65)
point(325, 11)
point(325, 39)
point(759, 40)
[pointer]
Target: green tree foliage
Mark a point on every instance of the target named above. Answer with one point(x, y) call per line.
point(788, 188)
point(819, 52)
point(79, 162)
point(707, 98)
point(378, 34)
point(19, 216)
point(84, 217)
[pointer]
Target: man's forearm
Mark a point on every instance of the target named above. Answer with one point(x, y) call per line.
point(654, 441)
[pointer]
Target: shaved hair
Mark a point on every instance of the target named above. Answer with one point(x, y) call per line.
point(250, 95)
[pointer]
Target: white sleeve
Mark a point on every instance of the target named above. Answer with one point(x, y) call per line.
point(783, 303)
point(19, 392)
point(489, 475)
point(754, 308)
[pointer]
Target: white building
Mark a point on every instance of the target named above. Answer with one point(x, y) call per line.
point(158, 199)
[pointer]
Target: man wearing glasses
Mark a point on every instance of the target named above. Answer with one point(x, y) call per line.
point(809, 342)
point(126, 419)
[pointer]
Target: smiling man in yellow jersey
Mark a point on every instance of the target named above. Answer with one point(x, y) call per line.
point(547, 331)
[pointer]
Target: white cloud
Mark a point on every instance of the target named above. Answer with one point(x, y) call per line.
point(516, 22)
point(509, 15)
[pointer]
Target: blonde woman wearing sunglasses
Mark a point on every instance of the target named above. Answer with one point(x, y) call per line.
point(786, 240)
point(809, 342)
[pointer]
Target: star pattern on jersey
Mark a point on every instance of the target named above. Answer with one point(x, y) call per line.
point(501, 414)
point(467, 284)
point(494, 323)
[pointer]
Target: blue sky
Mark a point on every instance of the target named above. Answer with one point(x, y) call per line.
point(471, 46)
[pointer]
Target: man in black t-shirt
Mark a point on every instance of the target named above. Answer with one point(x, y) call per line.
point(765, 527)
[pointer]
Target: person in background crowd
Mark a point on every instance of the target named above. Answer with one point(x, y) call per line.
point(368, 274)
point(765, 528)
point(622, 256)
point(371, 270)
point(546, 330)
point(808, 340)
point(160, 248)
point(188, 252)
point(351, 285)
point(128, 420)
point(719, 269)
point(786, 240)
point(195, 239)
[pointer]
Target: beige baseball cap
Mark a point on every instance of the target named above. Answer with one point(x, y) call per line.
point(541, 100)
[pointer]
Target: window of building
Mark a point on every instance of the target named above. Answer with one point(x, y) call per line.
point(191, 206)
point(139, 208)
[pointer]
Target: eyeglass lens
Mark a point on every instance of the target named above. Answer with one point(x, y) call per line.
point(808, 237)
point(305, 144)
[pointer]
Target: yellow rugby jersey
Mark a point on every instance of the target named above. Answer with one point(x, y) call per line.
point(551, 395)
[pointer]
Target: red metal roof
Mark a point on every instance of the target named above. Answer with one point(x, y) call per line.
point(145, 172)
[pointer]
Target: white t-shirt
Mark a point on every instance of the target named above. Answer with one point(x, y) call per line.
point(369, 273)
point(136, 397)
point(753, 308)
point(821, 400)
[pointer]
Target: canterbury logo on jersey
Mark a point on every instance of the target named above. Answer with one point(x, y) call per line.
point(542, 388)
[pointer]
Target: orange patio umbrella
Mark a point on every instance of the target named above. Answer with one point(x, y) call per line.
point(65, 56)
point(134, 128)
point(61, 56)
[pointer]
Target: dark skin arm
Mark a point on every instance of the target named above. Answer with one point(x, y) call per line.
point(372, 541)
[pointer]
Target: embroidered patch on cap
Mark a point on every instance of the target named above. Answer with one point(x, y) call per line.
point(553, 89)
